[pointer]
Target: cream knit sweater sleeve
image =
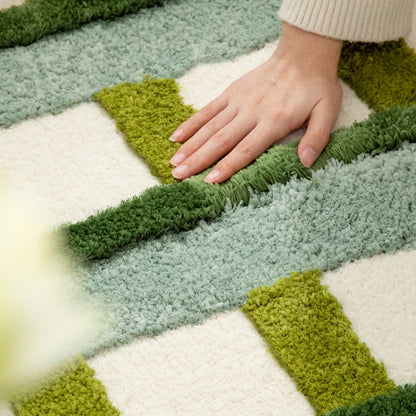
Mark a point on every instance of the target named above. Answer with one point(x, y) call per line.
point(353, 20)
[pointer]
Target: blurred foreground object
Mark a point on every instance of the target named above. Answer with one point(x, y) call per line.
point(43, 320)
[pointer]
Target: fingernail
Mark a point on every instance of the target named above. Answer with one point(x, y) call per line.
point(178, 158)
point(307, 157)
point(181, 172)
point(177, 134)
point(212, 176)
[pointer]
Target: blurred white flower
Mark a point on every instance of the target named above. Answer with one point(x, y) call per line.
point(43, 319)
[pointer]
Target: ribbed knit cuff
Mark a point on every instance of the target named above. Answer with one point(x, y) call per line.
point(353, 20)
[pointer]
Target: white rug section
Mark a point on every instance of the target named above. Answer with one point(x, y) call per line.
point(5, 4)
point(72, 164)
point(378, 295)
point(220, 367)
point(411, 38)
point(5, 410)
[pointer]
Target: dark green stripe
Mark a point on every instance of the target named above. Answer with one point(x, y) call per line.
point(180, 206)
point(401, 402)
point(308, 333)
point(148, 113)
point(76, 392)
point(36, 18)
point(382, 75)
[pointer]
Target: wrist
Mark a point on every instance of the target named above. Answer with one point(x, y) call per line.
point(310, 50)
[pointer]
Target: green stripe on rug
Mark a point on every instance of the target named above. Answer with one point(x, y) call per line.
point(401, 402)
point(347, 211)
point(382, 75)
point(76, 392)
point(36, 18)
point(148, 113)
point(67, 68)
point(308, 333)
point(180, 206)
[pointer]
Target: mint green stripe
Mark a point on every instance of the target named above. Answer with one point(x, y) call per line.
point(181, 206)
point(345, 212)
point(401, 402)
point(36, 18)
point(68, 68)
point(307, 331)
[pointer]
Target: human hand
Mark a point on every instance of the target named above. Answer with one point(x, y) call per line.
point(297, 86)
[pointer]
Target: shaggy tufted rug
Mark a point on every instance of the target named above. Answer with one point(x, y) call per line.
point(284, 290)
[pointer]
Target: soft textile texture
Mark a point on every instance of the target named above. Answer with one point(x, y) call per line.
point(369, 290)
point(218, 367)
point(383, 75)
point(309, 334)
point(76, 392)
point(180, 206)
point(345, 212)
point(37, 18)
point(193, 364)
point(199, 368)
point(81, 152)
point(148, 112)
point(401, 402)
point(67, 68)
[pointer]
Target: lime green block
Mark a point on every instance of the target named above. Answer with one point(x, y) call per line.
point(76, 392)
point(382, 75)
point(308, 333)
point(148, 113)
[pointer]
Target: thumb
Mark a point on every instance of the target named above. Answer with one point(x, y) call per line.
point(320, 124)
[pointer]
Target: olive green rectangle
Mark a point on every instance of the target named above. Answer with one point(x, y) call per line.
point(74, 392)
point(308, 333)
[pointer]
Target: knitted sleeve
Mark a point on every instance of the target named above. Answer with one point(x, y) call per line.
point(353, 20)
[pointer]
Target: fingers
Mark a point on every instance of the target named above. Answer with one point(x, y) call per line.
point(188, 128)
point(204, 134)
point(256, 142)
point(320, 124)
point(215, 147)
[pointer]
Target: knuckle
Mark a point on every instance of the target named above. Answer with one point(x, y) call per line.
point(212, 127)
point(277, 115)
point(266, 129)
point(191, 125)
point(246, 151)
point(198, 162)
point(220, 140)
point(319, 133)
point(228, 166)
point(232, 87)
point(206, 112)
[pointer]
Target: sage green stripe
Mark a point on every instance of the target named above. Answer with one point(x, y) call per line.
point(180, 206)
point(36, 18)
point(382, 75)
point(346, 212)
point(401, 402)
point(75, 392)
point(308, 333)
point(148, 113)
point(66, 68)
